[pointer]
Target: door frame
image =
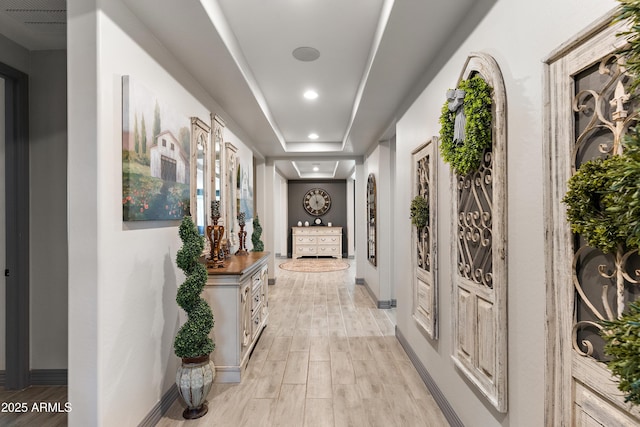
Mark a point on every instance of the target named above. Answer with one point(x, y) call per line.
point(16, 226)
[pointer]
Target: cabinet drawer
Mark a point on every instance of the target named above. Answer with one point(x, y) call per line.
point(328, 240)
point(305, 240)
point(306, 250)
point(255, 323)
point(332, 231)
point(328, 250)
point(256, 299)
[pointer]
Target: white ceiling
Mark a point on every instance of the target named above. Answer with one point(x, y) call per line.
point(376, 56)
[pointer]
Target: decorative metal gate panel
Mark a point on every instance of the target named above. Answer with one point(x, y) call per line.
point(589, 112)
point(425, 278)
point(479, 253)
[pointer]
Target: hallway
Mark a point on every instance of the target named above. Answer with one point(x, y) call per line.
point(328, 357)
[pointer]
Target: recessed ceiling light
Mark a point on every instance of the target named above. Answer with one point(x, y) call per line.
point(311, 94)
point(313, 136)
point(306, 54)
point(316, 169)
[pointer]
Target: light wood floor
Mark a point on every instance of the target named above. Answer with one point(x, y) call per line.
point(328, 357)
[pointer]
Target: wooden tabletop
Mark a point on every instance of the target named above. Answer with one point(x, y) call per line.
point(238, 264)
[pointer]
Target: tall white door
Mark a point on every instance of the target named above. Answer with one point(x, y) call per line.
point(3, 233)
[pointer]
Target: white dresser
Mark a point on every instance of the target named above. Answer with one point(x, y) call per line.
point(317, 241)
point(238, 296)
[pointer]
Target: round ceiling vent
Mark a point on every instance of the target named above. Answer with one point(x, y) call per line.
point(306, 54)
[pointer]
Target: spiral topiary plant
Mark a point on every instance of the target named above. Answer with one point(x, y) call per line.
point(258, 245)
point(193, 339)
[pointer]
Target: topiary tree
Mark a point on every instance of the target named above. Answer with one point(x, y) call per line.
point(193, 339)
point(258, 246)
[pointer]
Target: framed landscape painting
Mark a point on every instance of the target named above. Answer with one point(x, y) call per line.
point(156, 149)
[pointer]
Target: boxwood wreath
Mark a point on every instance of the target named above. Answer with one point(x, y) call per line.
point(592, 206)
point(465, 157)
point(419, 212)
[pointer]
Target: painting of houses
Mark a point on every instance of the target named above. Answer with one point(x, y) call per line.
point(168, 160)
point(155, 156)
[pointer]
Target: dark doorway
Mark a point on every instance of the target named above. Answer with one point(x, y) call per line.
point(16, 202)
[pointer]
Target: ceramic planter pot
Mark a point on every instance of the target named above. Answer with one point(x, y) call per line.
point(194, 379)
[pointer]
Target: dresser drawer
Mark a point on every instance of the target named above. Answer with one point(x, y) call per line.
point(306, 250)
point(328, 250)
point(306, 240)
point(333, 231)
point(328, 240)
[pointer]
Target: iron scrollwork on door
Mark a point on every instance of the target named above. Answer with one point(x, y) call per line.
point(603, 113)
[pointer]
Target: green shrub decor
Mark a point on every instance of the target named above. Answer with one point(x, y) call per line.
point(625, 189)
point(622, 344)
point(193, 339)
point(629, 10)
point(419, 212)
point(258, 245)
point(466, 157)
point(591, 204)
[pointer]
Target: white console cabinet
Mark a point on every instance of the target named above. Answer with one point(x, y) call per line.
point(238, 296)
point(317, 241)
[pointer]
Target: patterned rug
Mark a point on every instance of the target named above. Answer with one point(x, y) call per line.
point(314, 265)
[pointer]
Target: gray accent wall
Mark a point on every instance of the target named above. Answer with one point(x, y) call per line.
point(337, 215)
point(48, 217)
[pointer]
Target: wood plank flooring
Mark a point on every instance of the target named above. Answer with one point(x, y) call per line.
point(327, 358)
point(48, 412)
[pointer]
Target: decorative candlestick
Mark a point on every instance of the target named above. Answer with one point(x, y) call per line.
point(214, 234)
point(242, 235)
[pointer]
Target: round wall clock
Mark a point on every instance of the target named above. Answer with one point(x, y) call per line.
point(316, 201)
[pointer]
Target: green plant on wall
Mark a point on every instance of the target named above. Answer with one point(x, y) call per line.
point(592, 205)
point(466, 156)
point(623, 346)
point(625, 189)
point(193, 339)
point(419, 212)
point(258, 246)
point(629, 10)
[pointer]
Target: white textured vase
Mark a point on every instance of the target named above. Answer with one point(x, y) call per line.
point(194, 379)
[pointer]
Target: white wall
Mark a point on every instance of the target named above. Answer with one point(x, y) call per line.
point(379, 278)
point(351, 224)
point(518, 34)
point(280, 203)
point(122, 276)
point(48, 206)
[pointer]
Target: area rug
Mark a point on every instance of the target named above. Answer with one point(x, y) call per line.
point(314, 265)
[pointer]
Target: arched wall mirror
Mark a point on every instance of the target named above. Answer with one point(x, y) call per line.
point(200, 171)
point(230, 202)
point(371, 220)
point(217, 157)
